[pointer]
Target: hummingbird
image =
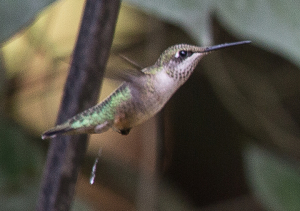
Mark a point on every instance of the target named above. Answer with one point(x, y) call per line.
point(143, 93)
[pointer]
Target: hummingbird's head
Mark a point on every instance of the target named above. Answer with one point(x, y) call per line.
point(180, 60)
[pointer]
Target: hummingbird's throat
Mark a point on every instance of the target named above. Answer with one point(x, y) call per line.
point(182, 70)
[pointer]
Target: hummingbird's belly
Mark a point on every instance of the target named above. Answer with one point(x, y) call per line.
point(144, 102)
point(136, 113)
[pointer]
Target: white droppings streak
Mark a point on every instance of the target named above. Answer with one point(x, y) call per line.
point(93, 174)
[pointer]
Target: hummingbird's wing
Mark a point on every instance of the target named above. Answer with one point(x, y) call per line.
point(129, 75)
point(126, 74)
point(131, 62)
point(147, 70)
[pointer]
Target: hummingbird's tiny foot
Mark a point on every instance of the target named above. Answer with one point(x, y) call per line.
point(125, 131)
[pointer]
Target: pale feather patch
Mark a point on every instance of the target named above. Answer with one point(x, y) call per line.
point(164, 81)
point(165, 85)
point(184, 65)
point(102, 128)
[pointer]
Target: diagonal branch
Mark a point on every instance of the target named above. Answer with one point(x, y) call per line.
point(81, 92)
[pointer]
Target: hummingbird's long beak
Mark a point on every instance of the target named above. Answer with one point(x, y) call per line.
point(225, 45)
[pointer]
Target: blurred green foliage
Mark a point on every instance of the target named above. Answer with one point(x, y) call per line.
point(271, 25)
point(275, 179)
point(15, 15)
point(20, 167)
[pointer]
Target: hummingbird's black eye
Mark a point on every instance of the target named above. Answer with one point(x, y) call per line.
point(183, 54)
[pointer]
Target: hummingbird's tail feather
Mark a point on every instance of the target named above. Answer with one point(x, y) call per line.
point(69, 129)
point(53, 132)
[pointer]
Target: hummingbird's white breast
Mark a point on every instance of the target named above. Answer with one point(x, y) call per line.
point(165, 85)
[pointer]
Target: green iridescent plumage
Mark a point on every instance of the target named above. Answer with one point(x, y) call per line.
point(105, 111)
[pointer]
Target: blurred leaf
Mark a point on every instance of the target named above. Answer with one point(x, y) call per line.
point(192, 15)
point(274, 25)
point(20, 168)
point(15, 14)
point(275, 180)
